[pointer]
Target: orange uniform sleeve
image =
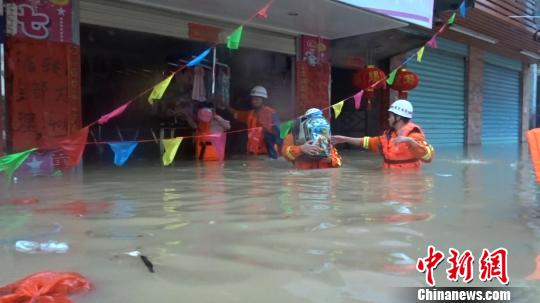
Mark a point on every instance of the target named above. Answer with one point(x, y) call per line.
point(289, 150)
point(371, 143)
point(423, 151)
point(241, 115)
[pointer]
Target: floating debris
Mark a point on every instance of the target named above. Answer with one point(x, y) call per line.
point(148, 264)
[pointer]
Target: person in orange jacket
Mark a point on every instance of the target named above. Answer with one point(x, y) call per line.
point(309, 146)
point(263, 124)
point(210, 137)
point(403, 145)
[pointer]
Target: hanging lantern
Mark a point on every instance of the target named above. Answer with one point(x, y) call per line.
point(366, 78)
point(404, 82)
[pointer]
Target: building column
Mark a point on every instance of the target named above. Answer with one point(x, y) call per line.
point(528, 99)
point(475, 95)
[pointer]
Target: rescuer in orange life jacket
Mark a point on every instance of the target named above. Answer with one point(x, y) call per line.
point(309, 144)
point(403, 145)
point(263, 124)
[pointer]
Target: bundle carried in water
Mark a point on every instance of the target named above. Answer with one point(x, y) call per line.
point(314, 128)
point(533, 137)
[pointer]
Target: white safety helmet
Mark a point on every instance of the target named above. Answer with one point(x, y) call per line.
point(313, 112)
point(402, 108)
point(259, 91)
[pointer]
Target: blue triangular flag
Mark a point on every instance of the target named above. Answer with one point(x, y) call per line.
point(463, 9)
point(122, 151)
point(198, 59)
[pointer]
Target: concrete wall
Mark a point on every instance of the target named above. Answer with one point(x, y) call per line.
point(474, 95)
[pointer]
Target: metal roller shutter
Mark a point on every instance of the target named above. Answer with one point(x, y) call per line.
point(501, 120)
point(439, 99)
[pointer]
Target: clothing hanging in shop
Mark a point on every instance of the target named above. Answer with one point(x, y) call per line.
point(199, 85)
point(223, 85)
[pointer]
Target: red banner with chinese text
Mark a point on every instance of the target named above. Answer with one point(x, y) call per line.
point(44, 19)
point(43, 92)
point(312, 86)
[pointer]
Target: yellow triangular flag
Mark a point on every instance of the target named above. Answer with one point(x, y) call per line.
point(419, 54)
point(337, 108)
point(159, 89)
point(171, 147)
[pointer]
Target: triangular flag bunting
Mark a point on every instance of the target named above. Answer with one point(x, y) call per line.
point(73, 146)
point(432, 42)
point(391, 77)
point(233, 40)
point(285, 128)
point(337, 108)
point(419, 54)
point(199, 58)
point(263, 12)
point(10, 163)
point(117, 112)
point(159, 89)
point(122, 151)
point(408, 60)
point(452, 19)
point(358, 99)
point(442, 29)
point(171, 147)
point(463, 9)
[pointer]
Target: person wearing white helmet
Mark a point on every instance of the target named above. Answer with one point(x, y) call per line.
point(308, 146)
point(263, 124)
point(403, 145)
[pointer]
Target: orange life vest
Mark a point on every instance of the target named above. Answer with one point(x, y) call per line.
point(399, 155)
point(257, 123)
point(204, 149)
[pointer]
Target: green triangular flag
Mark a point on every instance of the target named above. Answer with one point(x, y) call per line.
point(337, 108)
point(10, 163)
point(159, 89)
point(171, 147)
point(391, 77)
point(285, 128)
point(233, 40)
point(452, 19)
point(419, 54)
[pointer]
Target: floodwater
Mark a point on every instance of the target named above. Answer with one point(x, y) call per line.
point(259, 231)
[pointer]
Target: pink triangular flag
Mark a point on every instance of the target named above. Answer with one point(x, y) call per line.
point(358, 99)
point(218, 141)
point(263, 13)
point(433, 42)
point(117, 112)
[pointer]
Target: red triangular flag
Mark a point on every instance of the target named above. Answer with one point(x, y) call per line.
point(358, 99)
point(73, 146)
point(117, 112)
point(263, 13)
point(433, 42)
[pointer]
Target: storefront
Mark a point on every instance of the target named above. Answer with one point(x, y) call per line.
point(134, 43)
point(133, 46)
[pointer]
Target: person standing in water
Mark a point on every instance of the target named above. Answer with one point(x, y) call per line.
point(263, 124)
point(403, 146)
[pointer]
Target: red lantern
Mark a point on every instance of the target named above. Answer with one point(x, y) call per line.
point(366, 78)
point(404, 82)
